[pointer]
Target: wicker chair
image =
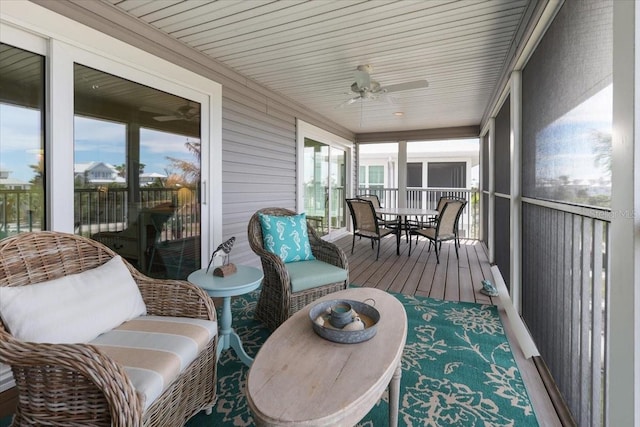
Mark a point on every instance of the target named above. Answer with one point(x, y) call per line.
point(78, 384)
point(277, 301)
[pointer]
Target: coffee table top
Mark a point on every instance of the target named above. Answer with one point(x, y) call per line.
point(245, 280)
point(299, 378)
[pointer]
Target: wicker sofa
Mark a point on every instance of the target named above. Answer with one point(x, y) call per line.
point(278, 298)
point(90, 383)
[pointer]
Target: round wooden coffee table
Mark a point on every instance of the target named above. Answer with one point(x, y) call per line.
point(301, 379)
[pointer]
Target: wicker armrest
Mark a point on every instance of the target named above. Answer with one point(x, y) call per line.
point(175, 298)
point(51, 367)
point(327, 251)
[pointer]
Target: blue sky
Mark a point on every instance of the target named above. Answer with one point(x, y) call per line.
point(95, 140)
point(567, 146)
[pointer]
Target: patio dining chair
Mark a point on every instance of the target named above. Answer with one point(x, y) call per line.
point(445, 227)
point(431, 222)
point(382, 219)
point(366, 224)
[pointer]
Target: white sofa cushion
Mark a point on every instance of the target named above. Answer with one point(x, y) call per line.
point(72, 309)
point(155, 350)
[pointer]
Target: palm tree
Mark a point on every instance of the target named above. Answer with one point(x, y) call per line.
point(190, 169)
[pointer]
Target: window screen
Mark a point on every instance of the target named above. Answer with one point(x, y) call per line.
point(567, 108)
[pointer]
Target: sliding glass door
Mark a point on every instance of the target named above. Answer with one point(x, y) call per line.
point(324, 186)
point(137, 172)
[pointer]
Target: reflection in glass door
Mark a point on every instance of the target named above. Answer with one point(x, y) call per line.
point(337, 174)
point(137, 172)
point(324, 184)
point(22, 201)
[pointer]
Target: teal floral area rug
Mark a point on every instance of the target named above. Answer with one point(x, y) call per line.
point(457, 370)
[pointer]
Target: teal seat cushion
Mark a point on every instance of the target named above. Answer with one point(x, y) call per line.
point(286, 236)
point(310, 274)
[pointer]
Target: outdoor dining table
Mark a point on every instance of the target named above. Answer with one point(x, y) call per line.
point(404, 214)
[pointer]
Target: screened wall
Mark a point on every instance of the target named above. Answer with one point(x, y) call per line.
point(502, 180)
point(566, 137)
point(484, 187)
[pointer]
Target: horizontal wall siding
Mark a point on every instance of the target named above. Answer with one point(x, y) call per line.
point(258, 165)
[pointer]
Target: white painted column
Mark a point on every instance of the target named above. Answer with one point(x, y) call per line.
point(491, 238)
point(402, 174)
point(623, 362)
point(59, 121)
point(515, 208)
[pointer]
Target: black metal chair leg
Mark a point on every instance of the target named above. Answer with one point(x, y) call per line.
point(455, 246)
point(353, 243)
point(437, 252)
point(378, 254)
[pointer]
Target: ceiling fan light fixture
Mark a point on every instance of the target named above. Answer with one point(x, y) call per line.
point(398, 113)
point(365, 88)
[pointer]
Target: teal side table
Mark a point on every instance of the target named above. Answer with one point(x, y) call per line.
point(245, 280)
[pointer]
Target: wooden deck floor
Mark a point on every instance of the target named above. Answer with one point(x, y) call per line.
point(453, 279)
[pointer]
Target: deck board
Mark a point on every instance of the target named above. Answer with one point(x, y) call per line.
point(453, 279)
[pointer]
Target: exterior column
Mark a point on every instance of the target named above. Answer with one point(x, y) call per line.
point(402, 174)
point(491, 241)
point(623, 385)
point(515, 223)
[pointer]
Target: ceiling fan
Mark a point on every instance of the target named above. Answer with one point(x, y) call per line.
point(186, 112)
point(365, 88)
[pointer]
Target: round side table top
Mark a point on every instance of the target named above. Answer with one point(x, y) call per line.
point(245, 280)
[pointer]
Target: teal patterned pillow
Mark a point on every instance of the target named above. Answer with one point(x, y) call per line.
point(286, 236)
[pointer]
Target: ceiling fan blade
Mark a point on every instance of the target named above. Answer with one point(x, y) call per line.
point(167, 118)
point(155, 110)
point(417, 84)
point(348, 102)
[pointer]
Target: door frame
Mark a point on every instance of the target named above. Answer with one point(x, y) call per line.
point(307, 130)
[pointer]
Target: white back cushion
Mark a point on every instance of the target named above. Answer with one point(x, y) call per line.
point(72, 309)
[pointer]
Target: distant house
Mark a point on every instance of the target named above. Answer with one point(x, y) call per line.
point(150, 178)
point(10, 183)
point(97, 173)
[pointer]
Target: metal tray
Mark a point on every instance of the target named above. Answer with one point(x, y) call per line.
point(368, 314)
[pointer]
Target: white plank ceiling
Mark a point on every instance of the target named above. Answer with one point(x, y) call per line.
point(308, 51)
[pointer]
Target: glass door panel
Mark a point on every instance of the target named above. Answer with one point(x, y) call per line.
point(337, 169)
point(137, 172)
point(22, 202)
point(316, 191)
point(324, 186)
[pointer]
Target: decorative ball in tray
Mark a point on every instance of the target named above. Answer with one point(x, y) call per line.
point(345, 321)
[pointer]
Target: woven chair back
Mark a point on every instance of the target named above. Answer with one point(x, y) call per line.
point(364, 215)
point(30, 258)
point(254, 229)
point(372, 198)
point(448, 218)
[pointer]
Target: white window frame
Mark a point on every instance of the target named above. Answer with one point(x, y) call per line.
point(63, 41)
point(307, 130)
